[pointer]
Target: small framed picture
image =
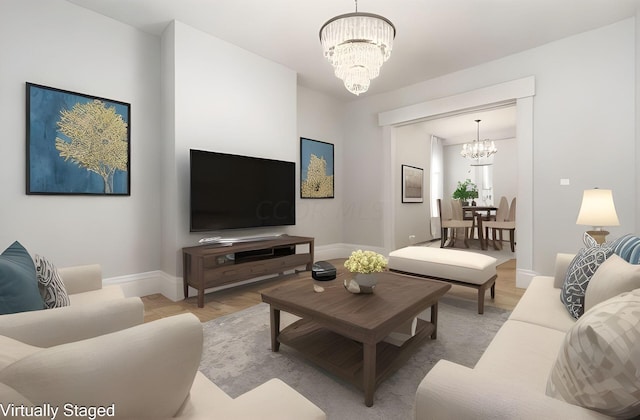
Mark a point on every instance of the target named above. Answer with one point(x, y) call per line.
point(77, 144)
point(412, 181)
point(316, 169)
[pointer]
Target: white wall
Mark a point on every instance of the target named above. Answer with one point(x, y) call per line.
point(505, 170)
point(181, 97)
point(585, 91)
point(364, 172)
point(413, 148)
point(170, 207)
point(226, 100)
point(320, 118)
point(57, 44)
point(637, 116)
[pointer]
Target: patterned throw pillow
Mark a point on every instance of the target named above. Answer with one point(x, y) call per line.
point(628, 248)
point(51, 286)
point(598, 365)
point(580, 271)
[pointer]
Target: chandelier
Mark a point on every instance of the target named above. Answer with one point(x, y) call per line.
point(477, 149)
point(356, 45)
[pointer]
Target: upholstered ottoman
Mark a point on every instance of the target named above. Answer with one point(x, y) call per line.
point(450, 265)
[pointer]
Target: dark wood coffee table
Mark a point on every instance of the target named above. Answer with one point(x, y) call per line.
point(344, 332)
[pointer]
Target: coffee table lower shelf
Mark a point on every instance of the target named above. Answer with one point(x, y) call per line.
point(343, 356)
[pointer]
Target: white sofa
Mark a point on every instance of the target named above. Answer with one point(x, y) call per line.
point(146, 371)
point(510, 379)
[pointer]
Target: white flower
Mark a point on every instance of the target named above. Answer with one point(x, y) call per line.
point(365, 262)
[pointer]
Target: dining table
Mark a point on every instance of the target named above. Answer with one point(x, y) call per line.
point(478, 214)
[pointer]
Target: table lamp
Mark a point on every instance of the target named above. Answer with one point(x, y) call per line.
point(597, 210)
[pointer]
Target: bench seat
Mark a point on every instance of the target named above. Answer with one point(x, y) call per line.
point(458, 267)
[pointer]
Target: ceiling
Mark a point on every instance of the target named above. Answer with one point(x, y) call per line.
point(434, 37)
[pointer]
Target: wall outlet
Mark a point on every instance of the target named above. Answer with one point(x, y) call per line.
point(412, 238)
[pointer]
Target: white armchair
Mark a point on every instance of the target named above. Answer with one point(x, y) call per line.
point(146, 371)
point(84, 285)
point(95, 310)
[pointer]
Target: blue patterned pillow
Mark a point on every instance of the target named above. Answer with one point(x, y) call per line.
point(580, 271)
point(18, 283)
point(628, 248)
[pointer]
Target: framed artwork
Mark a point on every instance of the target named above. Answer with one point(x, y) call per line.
point(77, 144)
point(412, 180)
point(316, 169)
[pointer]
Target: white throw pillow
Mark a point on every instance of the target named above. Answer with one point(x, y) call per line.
point(614, 276)
point(598, 366)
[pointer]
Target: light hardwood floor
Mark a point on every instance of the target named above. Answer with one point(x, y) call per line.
point(235, 299)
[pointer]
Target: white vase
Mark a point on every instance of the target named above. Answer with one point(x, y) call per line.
point(361, 283)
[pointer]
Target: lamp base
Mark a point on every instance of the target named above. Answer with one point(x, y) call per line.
point(599, 235)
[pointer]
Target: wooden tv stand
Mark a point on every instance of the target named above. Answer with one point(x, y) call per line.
point(215, 265)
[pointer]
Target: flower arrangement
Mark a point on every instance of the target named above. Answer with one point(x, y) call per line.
point(365, 262)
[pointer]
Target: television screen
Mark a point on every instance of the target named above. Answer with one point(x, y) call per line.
point(232, 191)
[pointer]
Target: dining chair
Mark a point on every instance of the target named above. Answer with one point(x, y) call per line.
point(451, 218)
point(505, 220)
point(501, 216)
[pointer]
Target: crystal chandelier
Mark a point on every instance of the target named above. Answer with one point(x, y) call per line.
point(477, 149)
point(356, 45)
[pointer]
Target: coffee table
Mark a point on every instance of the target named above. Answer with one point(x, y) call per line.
point(344, 332)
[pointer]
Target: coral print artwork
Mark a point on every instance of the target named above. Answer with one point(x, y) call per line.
point(316, 169)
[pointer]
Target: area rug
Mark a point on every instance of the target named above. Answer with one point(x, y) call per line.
point(237, 357)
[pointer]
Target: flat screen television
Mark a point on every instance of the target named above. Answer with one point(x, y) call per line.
point(232, 191)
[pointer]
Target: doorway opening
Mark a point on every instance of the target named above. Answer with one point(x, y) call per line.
point(518, 92)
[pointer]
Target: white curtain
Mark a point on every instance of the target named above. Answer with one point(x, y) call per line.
point(437, 183)
point(487, 186)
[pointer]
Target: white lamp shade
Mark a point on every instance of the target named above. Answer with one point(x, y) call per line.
point(597, 209)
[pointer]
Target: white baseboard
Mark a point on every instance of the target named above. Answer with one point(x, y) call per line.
point(141, 284)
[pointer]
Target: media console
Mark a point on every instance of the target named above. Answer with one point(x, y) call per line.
point(207, 266)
